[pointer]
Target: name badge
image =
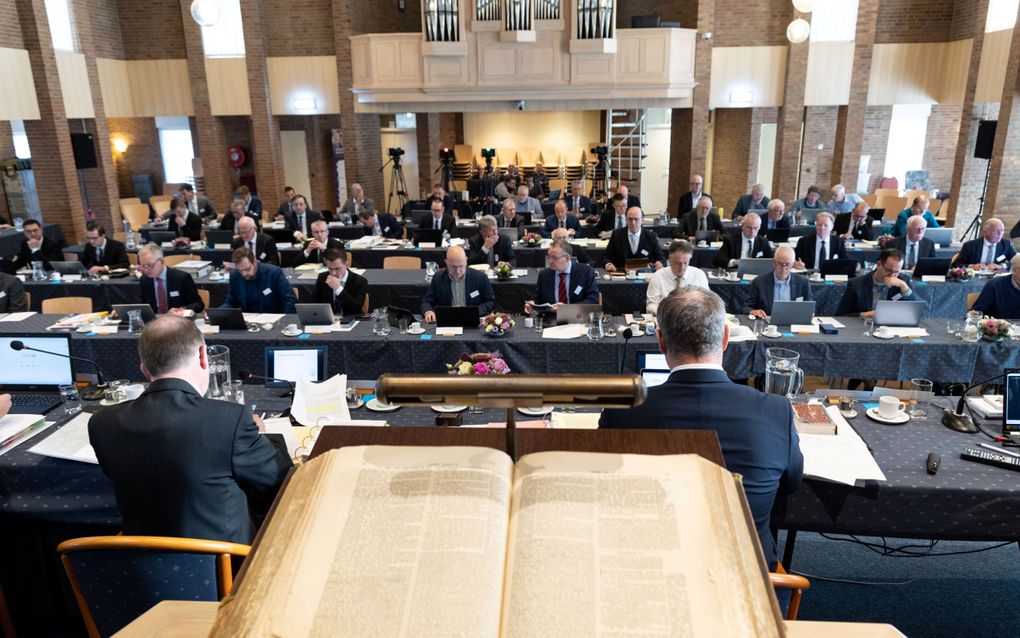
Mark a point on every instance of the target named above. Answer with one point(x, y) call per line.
point(644, 252)
point(474, 293)
point(2, 294)
point(386, 230)
point(897, 296)
point(1000, 258)
point(174, 293)
point(267, 291)
point(759, 255)
point(577, 290)
point(799, 299)
point(262, 257)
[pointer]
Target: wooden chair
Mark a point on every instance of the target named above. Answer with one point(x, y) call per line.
point(173, 260)
point(28, 300)
point(136, 214)
point(871, 199)
point(551, 157)
point(126, 201)
point(402, 263)
point(160, 204)
point(527, 156)
point(203, 294)
point(120, 236)
point(887, 192)
point(6, 624)
point(115, 579)
point(971, 298)
point(462, 153)
point(364, 305)
point(70, 256)
point(133, 259)
point(66, 305)
point(782, 580)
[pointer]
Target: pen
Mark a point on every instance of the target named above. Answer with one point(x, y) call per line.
point(1000, 450)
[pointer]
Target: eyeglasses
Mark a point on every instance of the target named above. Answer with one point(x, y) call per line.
point(149, 266)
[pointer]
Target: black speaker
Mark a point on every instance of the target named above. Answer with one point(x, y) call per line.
point(985, 139)
point(84, 150)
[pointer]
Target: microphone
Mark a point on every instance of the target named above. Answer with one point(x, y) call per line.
point(246, 375)
point(960, 420)
point(94, 392)
point(627, 335)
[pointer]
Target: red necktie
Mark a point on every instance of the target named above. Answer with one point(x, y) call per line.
point(563, 288)
point(160, 296)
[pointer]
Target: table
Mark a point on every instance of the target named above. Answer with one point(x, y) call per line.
point(10, 239)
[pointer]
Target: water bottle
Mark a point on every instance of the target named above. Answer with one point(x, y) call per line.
point(19, 224)
point(135, 323)
point(446, 238)
point(38, 273)
point(126, 225)
point(664, 217)
point(129, 241)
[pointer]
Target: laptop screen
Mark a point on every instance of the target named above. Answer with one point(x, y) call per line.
point(1011, 402)
point(296, 364)
point(26, 368)
point(651, 360)
point(653, 378)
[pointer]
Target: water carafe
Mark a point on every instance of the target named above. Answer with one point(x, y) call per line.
point(219, 370)
point(595, 332)
point(782, 374)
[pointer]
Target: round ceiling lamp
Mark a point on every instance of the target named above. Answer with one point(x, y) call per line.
point(205, 12)
point(798, 31)
point(804, 6)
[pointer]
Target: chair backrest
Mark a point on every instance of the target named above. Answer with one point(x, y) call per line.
point(115, 579)
point(889, 182)
point(782, 580)
point(160, 206)
point(551, 157)
point(870, 199)
point(66, 305)
point(911, 194)
point(364, 305)
point(506, 156)
point(887, 192)
point(462, 153)
point(203, 294)
point(133, 259)
point(136, 214)
point(527, 156)
point(124, 201)
point(402, 263)
point(971, 298)
point(28, 300)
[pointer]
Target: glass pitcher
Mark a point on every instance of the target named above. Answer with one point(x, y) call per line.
point(135, 322)
point(595, 326)
point(782, 374)
point(38, 272)
point(971, 327)
point(219, 370)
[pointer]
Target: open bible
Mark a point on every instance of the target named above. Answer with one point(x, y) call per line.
point(459, 541)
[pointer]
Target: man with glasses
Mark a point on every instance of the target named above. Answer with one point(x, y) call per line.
point(437, 219)
point(342, 289)
point(856, 224)
point(885, 282)
point(1000, 298)
point(680, 274)
point(779, 285)
point(300, 218)
point(261, 245)
point(257, 286)
point(230, 220)
point(166, 289)
point(990, 251)
point(36, 247)
point(700, 219)
point(745, 245)
point(914, 245)
point(488, 246)
point(321, 242)
point(689, 200)
point(563, 281)
point(814, 250)
point(633, 243)
point(458, 285)
point(102, 254)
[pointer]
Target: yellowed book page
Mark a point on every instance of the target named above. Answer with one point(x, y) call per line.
point(610, 544)
point(381, 541)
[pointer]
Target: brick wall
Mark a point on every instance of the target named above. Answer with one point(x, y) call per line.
point(940, 144)
point(153, 29)
point(383, 16)
point(741, 23)
point(6, 152)
point(298, 28)
point(236, 132)
point(143, 154)
point(760, 116)
point(730, 156)
point(10, 27)
point(973, 169)
point(966, 23)
point(914, 21)
point(105, 23)
point(876, 138)
point(318, 137)
point(816, 165)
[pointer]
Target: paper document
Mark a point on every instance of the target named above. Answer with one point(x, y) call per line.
point(907, 332)
point(17, 316)
point(566, 331)
point(832, 321)
point(357, 271)
point(265, 317)
point(574, 420)
point(291, 435)
point(449, 331)
point(741, 333)
point(840, 458)
point(804, 328)
point(70, 442)
point(13, 426)
point(314, 401)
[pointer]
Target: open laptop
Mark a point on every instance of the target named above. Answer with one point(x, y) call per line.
point(706, 235)
point(513, 234)
point(575, 312)
point(941, 236)
point(899, 313)
point(294, 364)
point(787, 313)
point(777, 235)
point(160, 236)
point(227, 318)
point(122, 310)
point(932, 266)
point(876, 213)
point(846, 267)
point(653, 378)
point(650, 360)
point(68, 267)
point(466, 317)
point(427, 235)
point(314, 314)
point(1011, 401)
point(213, 237)
point(33, 379)
point(754, 266)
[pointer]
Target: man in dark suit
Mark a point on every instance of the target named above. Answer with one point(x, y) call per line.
point(508, 217)
point(701, 218)
point(252, 204)
point(181, 222)
point(914, 245)
point(689, 200)
point(578, 253)
point(615, 217)
point(196, 466)
point(561, 219)
point(37, 247)
point(256, 286)
point(577, 204)
point(745, 244)
point(357, 204)
point(300, 219)
point(884, 282)
point(756, 430)
point(237, 211)
point(342, 289)
point(12, 294)
point(488, 246)
point(321, 242)
point(633, 243)
point(198, 205)
point(438, 220)
point(262, 246)
point(458, 285)
point(284, 207)
point(991, 251)
point(776, 216)
point(448, 201)
point(856, 224)
point(1000, 298)
point(813, 250)
point(101, 253)
point(778, 285)
point(380, 224)
point(755, 200)
point(564, 282)
point(632, 200)
point(165, 289)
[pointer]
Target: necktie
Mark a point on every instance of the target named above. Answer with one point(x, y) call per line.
point(677, 285)
point(853, 229)
point(563, 288)
point(99, 255)
point(301, 223)
point(492, 257)
point(561, 223)
point(989, 254)
point(619, 222)
point(701, 223)
point(435, 224)
point(577, 204)
point(376, 231)
point(747, 252)
point(253, 247)
point(634, 240)
point(823, 253)
point(160, 296)
point(912, 257)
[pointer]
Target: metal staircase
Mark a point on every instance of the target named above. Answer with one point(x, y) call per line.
point(627, 130)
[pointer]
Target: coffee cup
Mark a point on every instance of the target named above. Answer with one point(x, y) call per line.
point(771, 331)
point(890, 407)
point(415, 327)
point(882, 331)
point(816, 276)
point(133, 391)
point(733, 275)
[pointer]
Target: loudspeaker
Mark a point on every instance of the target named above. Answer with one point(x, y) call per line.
point(84, 150)
point(985, 139)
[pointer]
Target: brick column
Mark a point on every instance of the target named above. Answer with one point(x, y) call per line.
point(267, 148)
point(429, 142)
point(6, 153)
point(50, 138)
point(850, 122)
point(791, 122)
point(1003, 199)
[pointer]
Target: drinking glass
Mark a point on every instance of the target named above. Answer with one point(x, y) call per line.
point(384, 321)
point(954, 327)
point(114, 392)
point(595, 332)
point(219, 370)
point(918, 391)
point(19, 224)
point(431, 268)
point(233, 391)
point(402, 325)
point(135, 323)
point(759, 327)
point(869, 326)
point(69, 395)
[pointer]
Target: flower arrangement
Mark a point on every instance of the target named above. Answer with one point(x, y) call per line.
point(182, 242)
point(959, 274)
point(485, 364)
point(504, 271)
point(883, 240)
point(531, 239)
point(994, 329)
point(497, 324)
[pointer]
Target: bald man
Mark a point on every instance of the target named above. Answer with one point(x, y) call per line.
point(746, 245)
point(458, 285)
point(261, 245)
point(689, 200)
point(991, 250)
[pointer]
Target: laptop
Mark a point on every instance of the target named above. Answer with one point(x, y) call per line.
point(428, 235)
point(932, 266)
point(706, 235)
point(466, 317)
point(876, 213)
point(846, 267)
point(940, 236)
point(227, 318)
point(33, 379)
point(787, 313)
point(160, 236)
point(1011, 402)
point(555, 193)
point(777, 235)
point(294, 364)
point(754, 266)
point(122, 310)
point(653, 378)
point(510, 233)
point(68, 267)
point(213, 237)
point(575, 312)
point(899, 313)
point(651, 360)
point(314, 314)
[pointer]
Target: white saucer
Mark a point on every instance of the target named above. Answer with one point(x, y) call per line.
point(873, 414)
point(888, 336)
point(772, 336)
point(376, 406)
point(290, 334)
point(448, 409)
point(536, 411)
point(107, 402)
point(419, 331)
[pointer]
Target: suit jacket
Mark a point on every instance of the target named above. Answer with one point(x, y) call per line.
point(114, 255)
point(283, 208)
point(686, 204)
point(351, 209)
point(440, 292)
point(271, 292)
point(864, 231)
point(632, 201)
point(446, 224)
point(389, 226)
point(925, 248)
point(204, 207)
point(744, 205)
point(972, 252)
point(254, 207)
point(859, 294)
point(784, 222)
point(318, 256)
point(571, 223)
point(503, 222)
point(688, 225)
point(763, 291)
point(265, 248)
point(504, 251)
point(290, 221)
point(733, 245)
point(583, 204)
point(755, 431)
point(12, 294)
point(351, 298)
point(195, 464)
point(181, 291)
point(618, 250)
point(229, 223)
point(192, 227)
point(48, 251)
point(608, 220)
point(805, 249)
point(582, 287)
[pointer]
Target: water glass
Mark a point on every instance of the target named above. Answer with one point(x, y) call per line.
point(233, 391)
point(595, 326)
point(114, 392)
point(869, 326)
point(919, 389)
point(69, 395)
point(384, 321)
point(954, 327)
point(431, 268)
point(38, 273)
point(759, 327)
point(402, 325)
point(536, 320)
point(135, 323)
point(219, 370)
point(19, 224)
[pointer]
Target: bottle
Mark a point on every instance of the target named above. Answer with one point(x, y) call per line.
point(129, 240)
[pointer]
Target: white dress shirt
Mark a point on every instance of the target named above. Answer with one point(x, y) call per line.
point(663, 282)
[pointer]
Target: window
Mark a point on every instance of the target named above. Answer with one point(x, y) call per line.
point(21, 150)
point(177, 149)
point(58, 12)
point(225, 39)
point(907, 130)
point(834, 21)
point(1001, 15)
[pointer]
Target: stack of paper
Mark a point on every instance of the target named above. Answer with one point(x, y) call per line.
point(987, 406)
point(17, 316)
point(575, 420)
point(326, 400)
point(566, 331)
point(18, 428)
point(70, 442)
point(840, 458)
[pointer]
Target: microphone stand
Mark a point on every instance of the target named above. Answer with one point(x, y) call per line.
point(960, 421)
point(244, 375)
point(627, 335)
point(94, 391)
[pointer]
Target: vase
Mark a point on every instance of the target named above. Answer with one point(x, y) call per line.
point(502, 277)
point(994, 338)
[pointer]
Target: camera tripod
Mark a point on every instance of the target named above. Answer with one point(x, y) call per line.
point(447, 176)
point(601, 178)
point(398, 187)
